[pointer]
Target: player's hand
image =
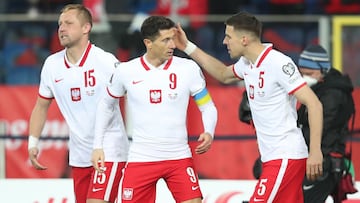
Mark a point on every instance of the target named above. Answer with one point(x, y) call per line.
point(314, 165)
point(98, 159)
point(180, 38)
point(206, 140)
point(33, 153)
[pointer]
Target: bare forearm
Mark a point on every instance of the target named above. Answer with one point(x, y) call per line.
point(316, 125)
point(212, 65)
point(37, 121)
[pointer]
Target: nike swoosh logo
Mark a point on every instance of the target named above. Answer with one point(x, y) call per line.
point(258, 200)
point(58, 80)
point(194, 187)
point(308, 187)
point(97, 189)
point(136, 82)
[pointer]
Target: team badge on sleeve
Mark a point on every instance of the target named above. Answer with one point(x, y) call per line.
point(288, 69)
point(116, 64)
point(111, 79)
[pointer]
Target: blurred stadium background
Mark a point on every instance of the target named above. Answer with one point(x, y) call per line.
point(28, 34)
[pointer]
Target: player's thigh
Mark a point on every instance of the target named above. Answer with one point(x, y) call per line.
point(81, 178)
point(280, 181)
point(105, 186)
point(139, 182)
point(182, 181)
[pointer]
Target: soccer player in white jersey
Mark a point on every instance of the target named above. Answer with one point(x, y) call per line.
point(158, 86)
point(76, 78)
point(274, 85)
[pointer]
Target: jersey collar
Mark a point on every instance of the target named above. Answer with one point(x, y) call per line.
point(263, 54)
point(83, 58)
point(147, 68)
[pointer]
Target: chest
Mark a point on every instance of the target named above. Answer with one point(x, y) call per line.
point(78, 83)
point(260, 83)
point(159, 86)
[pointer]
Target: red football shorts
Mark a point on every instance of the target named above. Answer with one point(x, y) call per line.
point(280, 181)
point(89, 184)
point(140, 178)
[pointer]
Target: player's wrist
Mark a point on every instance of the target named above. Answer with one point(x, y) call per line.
point(211, 134)
point(33, 142)
point(190, 47)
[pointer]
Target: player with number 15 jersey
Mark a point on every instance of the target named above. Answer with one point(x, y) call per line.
point(77, 88)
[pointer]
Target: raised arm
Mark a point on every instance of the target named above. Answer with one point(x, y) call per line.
point(213, 66)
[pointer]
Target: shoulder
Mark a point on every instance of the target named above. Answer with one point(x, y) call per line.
point(57, 55)
point(130, 65)
point(56, 58)
point(101, 52)
point(133, 62)
point(280, 63)
point(277, 57)
point(184, 62)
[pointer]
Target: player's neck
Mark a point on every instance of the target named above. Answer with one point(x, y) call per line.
point(254, 52)
point(74, 53)
point(153, 60)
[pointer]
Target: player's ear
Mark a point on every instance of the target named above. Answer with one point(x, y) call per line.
point(147, 43)
point(87, 28)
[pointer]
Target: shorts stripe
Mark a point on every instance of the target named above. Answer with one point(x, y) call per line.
point(279, 178)
point(111, 181)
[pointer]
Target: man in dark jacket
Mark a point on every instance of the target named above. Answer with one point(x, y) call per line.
point(334, 91)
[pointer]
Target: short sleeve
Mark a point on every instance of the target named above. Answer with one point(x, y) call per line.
point(198, 82)
point(116, 85)
point(45, 82)
point(239, 66)
point(289, 76)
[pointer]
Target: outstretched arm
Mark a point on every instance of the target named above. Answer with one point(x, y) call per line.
point(36, 125)
point(213, 66)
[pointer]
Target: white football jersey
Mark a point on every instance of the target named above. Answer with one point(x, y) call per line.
point(158, 98)
point(77, 89)
point(270, 84)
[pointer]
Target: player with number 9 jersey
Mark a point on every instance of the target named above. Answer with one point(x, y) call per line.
point(158, 87)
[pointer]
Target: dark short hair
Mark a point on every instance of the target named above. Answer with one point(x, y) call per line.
point(245, 21)
point(153, 24)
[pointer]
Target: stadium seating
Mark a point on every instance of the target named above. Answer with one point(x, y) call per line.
point(23, 75)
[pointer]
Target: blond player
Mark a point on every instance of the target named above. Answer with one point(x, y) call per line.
point(76, 78)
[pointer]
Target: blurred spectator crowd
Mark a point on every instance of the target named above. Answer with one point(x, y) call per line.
point(25, 45)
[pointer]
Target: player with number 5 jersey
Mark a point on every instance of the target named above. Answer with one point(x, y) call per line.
point(158, 86)
point(274, 85)
point(76, 78)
